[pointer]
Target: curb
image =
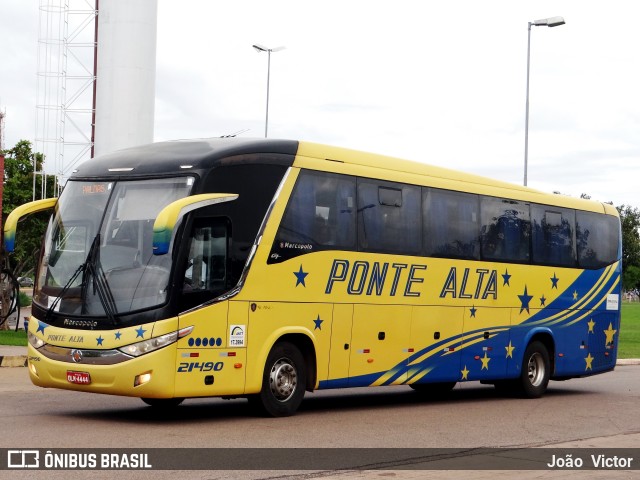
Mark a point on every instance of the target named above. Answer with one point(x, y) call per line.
point(627, 361)
point(13, 361)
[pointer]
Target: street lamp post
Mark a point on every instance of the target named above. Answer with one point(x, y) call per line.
point(260, 48)
point(546, 22)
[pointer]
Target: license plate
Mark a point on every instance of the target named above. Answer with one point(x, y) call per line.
point(80, 378)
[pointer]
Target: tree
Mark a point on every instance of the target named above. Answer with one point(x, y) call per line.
point(18, 188)
point(631, 277)
point(630, 220)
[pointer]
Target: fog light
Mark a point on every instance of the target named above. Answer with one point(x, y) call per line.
point(142, 379)
point(33, 369)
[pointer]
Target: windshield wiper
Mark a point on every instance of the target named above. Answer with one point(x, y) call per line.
point(55, 303)
point(93, 268)
point(82, 268)
point(90, 267)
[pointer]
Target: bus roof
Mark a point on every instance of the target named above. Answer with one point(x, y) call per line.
point(355, 162)
point(182, 156)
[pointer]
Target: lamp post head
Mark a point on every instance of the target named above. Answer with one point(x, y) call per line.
point(262, 48)
point(549, 22)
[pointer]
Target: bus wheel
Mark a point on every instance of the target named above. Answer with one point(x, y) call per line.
point(433, 389)
point(163, 402)
point(283, 382)
point(536, 369)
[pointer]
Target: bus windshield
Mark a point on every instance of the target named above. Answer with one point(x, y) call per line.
point(98, 250)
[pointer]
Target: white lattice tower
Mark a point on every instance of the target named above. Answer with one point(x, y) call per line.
point(64, 105)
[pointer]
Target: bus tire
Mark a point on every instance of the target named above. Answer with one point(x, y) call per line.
point(536, 370)
point(163, 403)
point(283, 382)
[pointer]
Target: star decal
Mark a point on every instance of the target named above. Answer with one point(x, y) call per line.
point(485, 362)
point(300, 276)
point(140, 332)
point(318, 323)
point(591, 324)
point(609, 332)
point(525, 298)
point(543, 301)
point(554, 281)
point(509, 348)
point(589, 360)
point(465, 373)
point(575, 295)
point(41, 327)
point(100, 340)
point(473, 311)
point(118, 335)
point(506, 277)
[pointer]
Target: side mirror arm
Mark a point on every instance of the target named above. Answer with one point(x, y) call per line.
point(171, 216)
point(17, 214)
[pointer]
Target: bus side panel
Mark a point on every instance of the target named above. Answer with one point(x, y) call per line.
point(603, 340)
point(572, 346)
point(589, 346)
point(270, 321)
point(485, 343)
point(206, 362)
point(340, 347)
point(380, 345)
point(436, 333)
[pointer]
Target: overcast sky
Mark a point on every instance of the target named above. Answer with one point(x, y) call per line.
point(441, 82)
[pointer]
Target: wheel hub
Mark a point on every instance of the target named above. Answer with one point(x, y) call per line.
point(535, 369)
point(283, 379)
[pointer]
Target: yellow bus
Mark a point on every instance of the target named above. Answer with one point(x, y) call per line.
point(267, 268)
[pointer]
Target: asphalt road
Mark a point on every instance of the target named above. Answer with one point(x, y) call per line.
point(600, 411)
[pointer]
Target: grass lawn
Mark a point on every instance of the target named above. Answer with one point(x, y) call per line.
point(628, 342)
point(11, 337)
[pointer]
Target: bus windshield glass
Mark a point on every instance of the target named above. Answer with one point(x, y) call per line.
point(98, 251)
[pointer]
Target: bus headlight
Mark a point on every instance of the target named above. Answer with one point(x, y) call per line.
point(34, 341)
point(147, 346)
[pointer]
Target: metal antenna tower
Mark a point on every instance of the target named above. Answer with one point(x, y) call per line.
point(66, 75)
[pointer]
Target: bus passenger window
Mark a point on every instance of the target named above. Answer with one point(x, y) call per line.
point(451, 224)
point(506, 230)
point(320, 215)
point(389, 217)
point(597, 239)
point(553, 232)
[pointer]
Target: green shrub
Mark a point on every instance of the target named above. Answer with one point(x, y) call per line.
point(25, 300)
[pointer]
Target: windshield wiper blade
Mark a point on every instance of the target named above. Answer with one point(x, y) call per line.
point(93, 268)
point(66, 287)
point(82, 268)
